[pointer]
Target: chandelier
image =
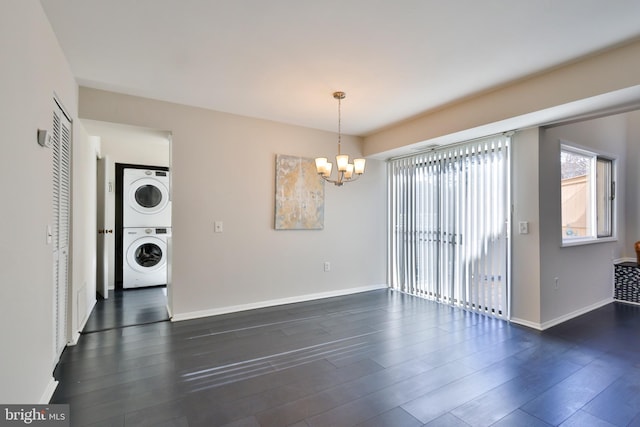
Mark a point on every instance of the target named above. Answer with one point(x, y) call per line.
point(347, 172)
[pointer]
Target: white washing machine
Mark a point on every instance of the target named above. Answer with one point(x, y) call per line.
point(145, 257)
point(145, 198)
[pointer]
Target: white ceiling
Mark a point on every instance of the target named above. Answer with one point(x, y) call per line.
point(282, 59)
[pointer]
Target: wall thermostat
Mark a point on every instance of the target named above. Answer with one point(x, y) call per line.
point(44, 138)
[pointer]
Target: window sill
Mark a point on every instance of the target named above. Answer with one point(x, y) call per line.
point(588, 241)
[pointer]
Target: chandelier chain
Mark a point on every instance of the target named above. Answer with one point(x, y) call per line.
point(339, 125)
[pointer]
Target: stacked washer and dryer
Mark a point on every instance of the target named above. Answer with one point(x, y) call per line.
point(146, 222)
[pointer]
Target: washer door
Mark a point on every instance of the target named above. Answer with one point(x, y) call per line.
point(148, 196)
point(147, 254)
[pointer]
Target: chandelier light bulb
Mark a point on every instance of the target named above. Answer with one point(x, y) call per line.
point(359, 166)
point(342, 161)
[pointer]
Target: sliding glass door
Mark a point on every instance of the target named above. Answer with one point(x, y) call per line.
point(449, 219)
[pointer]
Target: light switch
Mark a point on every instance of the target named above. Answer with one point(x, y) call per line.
point(217, 227)
point(523, 227)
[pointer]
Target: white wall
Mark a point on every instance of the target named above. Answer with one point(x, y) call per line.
point(33, 68)
point(84, 234)
point(131, 144)
point(585, 272)
point(525, 267)
point(223, 169)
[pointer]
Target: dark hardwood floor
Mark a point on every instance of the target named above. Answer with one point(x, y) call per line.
point(128, 307)
point(373, 359)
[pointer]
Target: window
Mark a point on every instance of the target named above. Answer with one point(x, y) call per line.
point(588, 193)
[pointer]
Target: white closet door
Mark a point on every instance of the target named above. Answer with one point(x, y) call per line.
point(61, 223)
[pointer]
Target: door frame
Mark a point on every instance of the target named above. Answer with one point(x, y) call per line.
point(119, 255)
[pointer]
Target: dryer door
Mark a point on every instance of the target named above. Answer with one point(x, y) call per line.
point(147, 254)
point(148, 196)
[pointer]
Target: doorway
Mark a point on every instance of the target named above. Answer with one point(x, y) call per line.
point(126, 205)
point(117, 307)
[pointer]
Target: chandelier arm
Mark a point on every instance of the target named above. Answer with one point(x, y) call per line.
point(341, 179)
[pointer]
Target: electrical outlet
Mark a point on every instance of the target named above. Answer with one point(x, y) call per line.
point(217, 227)
point(327, 266)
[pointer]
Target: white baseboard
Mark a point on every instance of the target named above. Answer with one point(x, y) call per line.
point(73, 340)
point(270, 303)
point(169, 312)
point(580, 312)
point(626, 302)
point(563, 318)
point(621, 260)
point(48, 392)
point(527, 323)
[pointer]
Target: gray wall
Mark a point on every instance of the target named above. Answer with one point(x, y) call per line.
point(632, 210)
point(585, 272)
point(33, 68)
point(223, 169)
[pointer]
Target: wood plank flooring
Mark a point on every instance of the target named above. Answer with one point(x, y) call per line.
point(379, 358)
point(129, 307)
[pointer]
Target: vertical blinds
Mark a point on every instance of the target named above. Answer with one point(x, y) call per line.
point(449, 212)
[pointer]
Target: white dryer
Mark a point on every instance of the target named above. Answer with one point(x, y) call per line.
point(145, 198)
point(145, 257)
